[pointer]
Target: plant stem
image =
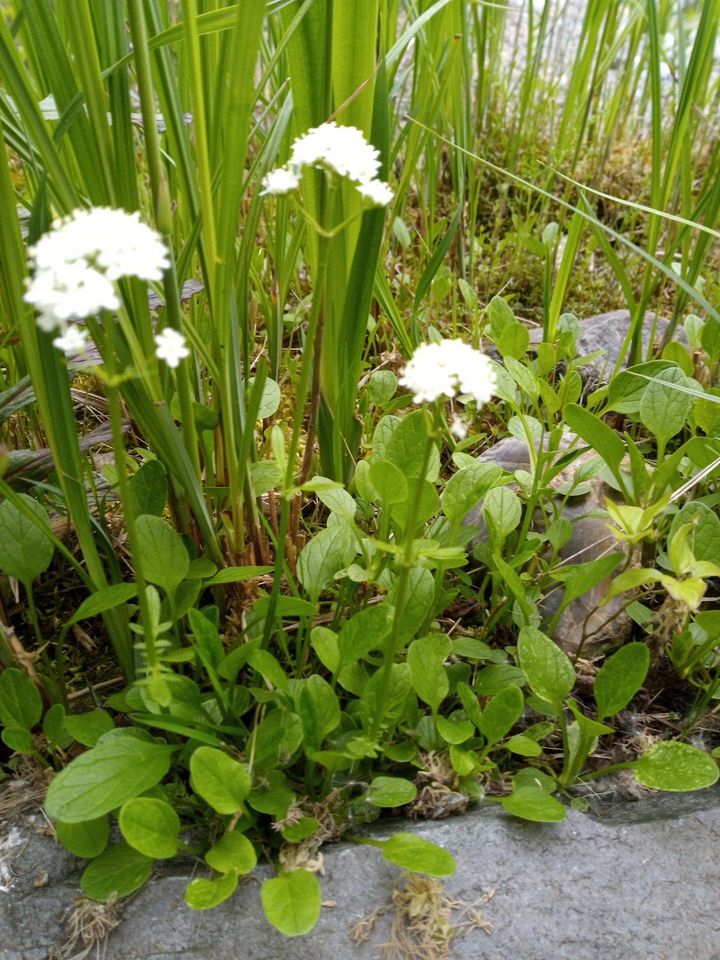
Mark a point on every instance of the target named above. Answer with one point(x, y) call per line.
point(406, 564)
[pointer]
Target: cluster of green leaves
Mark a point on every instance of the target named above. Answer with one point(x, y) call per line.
point(345, 675)
point(367, 695)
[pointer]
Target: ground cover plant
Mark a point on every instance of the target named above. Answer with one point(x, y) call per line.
point(279, 281)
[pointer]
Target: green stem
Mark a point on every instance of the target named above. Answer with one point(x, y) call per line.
point(303, 390)
point(118, 440)
point(406, 564)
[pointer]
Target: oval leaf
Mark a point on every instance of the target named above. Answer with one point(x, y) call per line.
point(548, 670)
point(104, 599)
point(118, 871)
point(105, 777)
point(421, 856)
point(532, 803)
point(20, 703)
point(391, 792)
point(87, 839)
point(165, 560)
point(501, 714)
point(25, 550)
point(677, 767)
point(292, 902)
point(204, 894)
point(150, 826)
point(222, 782)
point(233, 851)
point(620, 678)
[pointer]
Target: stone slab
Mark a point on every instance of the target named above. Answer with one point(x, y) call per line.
point(639, 883)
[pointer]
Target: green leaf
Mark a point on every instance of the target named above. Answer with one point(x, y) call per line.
point(305, 827)
point(116, 770)
point(389, 481)
point(620, 678)
point(626, 389)
point(426, 658)
point(426, 504)
point(87, 728)
point(318, 708)
point(466, 488)
point(523, 746)
point(321, 558)
point(233, 851)
point(391, 792)
point(20, 703)
point(204, 894)
point(669, 765)
point(664, 410)
point(514, 340)
point(25, 550)
point(414, 853)
point(206, 639)
point(531, 777)
point(236, 575)
point(106, 598)
point(150, 826)
point(418, 602)
point(333, 495)
point(579, 578)
point(164, 558)
point(503, 512)
point(382, 384)
point(500, 316)
point(19, 739)
point(493, 679)
point(454, 731)
point(501, 714)
point(363, 632)
point(406, 448)
point(292, 902)
point(272, 795)
point(549, 672)
point(324, 642)
point(87, 839)
point(704, 539)
point(270, 400)
point(533, 803)
point(222, 782)
point(598, 435)
point(277, 738)
point(118, 871)
point(148, 489)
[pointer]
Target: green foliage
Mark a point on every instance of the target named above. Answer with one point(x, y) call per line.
point(284, 635)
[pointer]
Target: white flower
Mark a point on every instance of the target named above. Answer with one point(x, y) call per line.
point(171, 347)
point(69, 291)
point(114, 241)
point(280, 181)
point(72, 341)
point(458, 427)
point(78, 261)
point(448, 368)
point(377, 192)
point(344, 150)
point(338, 149)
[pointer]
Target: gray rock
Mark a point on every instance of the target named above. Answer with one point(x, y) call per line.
point(636, 887)
point(605, 333)
point(584, 624)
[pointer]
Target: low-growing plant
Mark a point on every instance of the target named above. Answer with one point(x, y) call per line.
point(246, 432)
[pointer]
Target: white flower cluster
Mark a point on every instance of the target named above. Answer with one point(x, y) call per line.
point(448, 368)
point(340, 150)
point(77, 263)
